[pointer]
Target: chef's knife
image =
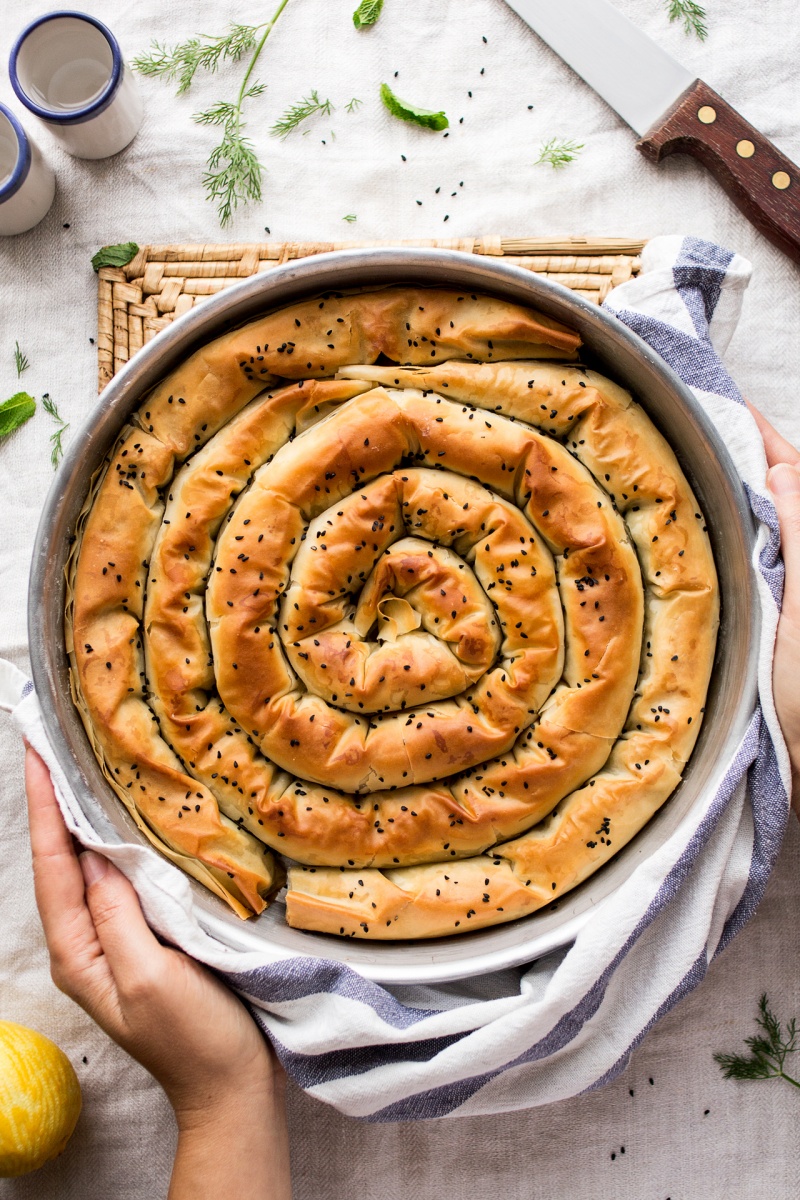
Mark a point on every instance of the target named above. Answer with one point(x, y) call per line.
point(672, 110)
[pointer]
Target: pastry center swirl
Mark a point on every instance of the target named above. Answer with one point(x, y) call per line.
point(420, 628)
point(456, 588)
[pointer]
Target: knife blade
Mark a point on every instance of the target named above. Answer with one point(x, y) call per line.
point(672, 110)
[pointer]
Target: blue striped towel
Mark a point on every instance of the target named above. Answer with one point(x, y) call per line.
point(567, 1023)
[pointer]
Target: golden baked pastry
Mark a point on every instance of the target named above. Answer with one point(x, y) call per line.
point(439, 633)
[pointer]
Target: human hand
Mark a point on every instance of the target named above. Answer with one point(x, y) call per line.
point(783, 480)
point(166, 1010)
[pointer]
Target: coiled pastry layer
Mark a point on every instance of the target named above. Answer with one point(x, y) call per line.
point(438, 634)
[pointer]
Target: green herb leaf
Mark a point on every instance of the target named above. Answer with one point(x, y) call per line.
point(234, 172)
point(409, 112)
point(115, 256)
point(367, 13)
point(15, 412)
point(353, 105)
point(21, 361)
point(198, 53)
point(692, 15)
point(56, 449)
point(300, 112)
point(768, 1050)
point(558, 153)
point(350, 218)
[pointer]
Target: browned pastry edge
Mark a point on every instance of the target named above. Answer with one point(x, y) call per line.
point(258, 875)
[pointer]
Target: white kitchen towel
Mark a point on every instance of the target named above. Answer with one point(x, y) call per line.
point(568, 1022)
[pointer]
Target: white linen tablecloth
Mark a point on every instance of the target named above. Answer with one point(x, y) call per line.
point(746, 1144)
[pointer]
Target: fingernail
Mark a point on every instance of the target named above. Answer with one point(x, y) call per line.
point(94, 866)
point(783, 480)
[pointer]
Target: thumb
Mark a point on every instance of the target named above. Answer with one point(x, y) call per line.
point(128, 944)
point(784, 483)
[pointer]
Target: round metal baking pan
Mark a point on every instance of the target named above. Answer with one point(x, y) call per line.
point(613, 349)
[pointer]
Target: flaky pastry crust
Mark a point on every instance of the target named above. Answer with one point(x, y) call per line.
point(439, 633)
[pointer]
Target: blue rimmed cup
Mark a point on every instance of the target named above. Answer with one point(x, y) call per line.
point(67, 69)
point(27, 184)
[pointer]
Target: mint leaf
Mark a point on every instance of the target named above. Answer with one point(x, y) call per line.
point(409, 112)
point(16, 412)
point(115, 256)
point(367, 13)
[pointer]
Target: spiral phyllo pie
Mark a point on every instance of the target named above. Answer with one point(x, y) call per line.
point(387, 588)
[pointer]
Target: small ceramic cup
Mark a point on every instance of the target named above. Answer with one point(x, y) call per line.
point(27, 184)
point(67, 69)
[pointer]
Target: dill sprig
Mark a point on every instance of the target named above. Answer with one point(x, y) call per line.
point(56, 449)
point(353, 105)
point(299, 112)
point(768, 1050)
point(234, 171)
point(558, 153)
point(205, 53)
point(21, 361)
point(693, 16)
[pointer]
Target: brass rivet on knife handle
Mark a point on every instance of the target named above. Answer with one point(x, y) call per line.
point(753, 172)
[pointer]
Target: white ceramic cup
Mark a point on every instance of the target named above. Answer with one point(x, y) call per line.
point(27, 184)
point(67, 69)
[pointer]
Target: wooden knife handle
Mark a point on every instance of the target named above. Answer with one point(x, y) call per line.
point(761, 181)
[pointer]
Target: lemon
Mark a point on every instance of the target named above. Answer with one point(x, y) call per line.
point(40, 1099)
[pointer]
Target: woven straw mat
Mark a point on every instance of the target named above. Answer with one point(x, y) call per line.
point(135, 302)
